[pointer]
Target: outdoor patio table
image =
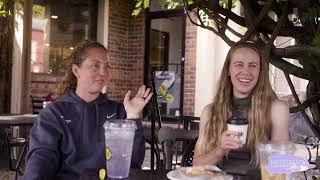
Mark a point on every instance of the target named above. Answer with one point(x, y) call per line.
point(186, 120)
point(11, 120)
point(17, 119)
point(185, 135)
point(139, 174)
point(135, 174)
point(180, 134)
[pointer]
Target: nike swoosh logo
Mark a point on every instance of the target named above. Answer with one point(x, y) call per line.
point(68, 121)
point(109, 116)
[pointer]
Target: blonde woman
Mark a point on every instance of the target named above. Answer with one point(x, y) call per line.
point(243, 87)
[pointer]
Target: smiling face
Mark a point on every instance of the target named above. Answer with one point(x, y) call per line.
point(92, 74)
point(244, 71)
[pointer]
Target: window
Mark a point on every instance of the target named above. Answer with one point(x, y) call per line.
point(57, 26)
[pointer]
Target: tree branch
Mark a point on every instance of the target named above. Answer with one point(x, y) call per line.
point(250, 19)
point(225, 20)
point(231, 15)
point(295, 51)
point(217, 19)
point(261, 15)
point(224, 37)
point(293, 91)
point(195, 4)
point(292, 69)
point(307, 103)
point(266, 27)
point(301, 108)
point(276, 31)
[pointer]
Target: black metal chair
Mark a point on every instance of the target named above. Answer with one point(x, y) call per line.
point(168, 137)
point(188, 153)
point(6, 148)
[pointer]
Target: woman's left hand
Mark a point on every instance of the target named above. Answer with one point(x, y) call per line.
point(135, 105)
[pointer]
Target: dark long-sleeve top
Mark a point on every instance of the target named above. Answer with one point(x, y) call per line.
point(68, 137)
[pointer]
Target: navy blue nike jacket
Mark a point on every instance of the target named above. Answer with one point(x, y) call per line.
point(68, 137)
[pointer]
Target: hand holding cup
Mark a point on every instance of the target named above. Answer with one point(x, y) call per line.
point(239, 125)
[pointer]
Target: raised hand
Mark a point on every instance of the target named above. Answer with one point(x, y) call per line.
point(135, 105)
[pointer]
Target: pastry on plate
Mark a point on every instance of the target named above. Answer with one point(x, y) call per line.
point(200, 171)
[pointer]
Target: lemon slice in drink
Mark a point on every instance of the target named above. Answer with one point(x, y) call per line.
point(102, 174)
point(108, 153)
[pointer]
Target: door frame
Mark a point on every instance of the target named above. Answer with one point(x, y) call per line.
point(149, 16)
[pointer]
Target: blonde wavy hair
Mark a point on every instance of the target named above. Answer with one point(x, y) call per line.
point(77, 56)
point(258, 114)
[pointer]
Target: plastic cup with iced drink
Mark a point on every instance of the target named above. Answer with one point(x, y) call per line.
point(239, 125)
point(119, 135)
point(273, 148)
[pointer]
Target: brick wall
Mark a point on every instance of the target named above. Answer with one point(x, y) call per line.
point(136, 52)
point(42, 84)
point(126, 46)
point(190, 68)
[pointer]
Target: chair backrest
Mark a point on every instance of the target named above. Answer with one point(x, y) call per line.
point(5, 153)
point(167, 139)
point(188, 153)
point(37, 104)
point(168, 136)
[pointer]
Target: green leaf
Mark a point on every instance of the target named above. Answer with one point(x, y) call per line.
point(163, 3)
point(309, 60)
point(282, 1)
point(136, 11)
point(310, 14)
point(224, 3)
point(173, 5)
point(190, 2)
point(316, 40)
point(138, 3)
point(3, 12)
point(146, 3)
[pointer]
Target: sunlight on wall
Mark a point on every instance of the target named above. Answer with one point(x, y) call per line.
point(211, 52)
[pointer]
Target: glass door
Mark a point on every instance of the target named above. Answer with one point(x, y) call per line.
point(165, 59)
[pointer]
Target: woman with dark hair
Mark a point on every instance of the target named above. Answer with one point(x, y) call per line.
point(243, 87)
point(68, 136)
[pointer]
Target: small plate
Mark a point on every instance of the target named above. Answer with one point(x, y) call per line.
point(182, 174)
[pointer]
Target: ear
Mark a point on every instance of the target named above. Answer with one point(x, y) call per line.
point(75, 70)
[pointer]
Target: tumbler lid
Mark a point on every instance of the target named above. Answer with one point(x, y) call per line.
point(237, 120)
point(120, 124)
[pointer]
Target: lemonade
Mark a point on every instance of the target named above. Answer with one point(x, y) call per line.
point(119, 136)
point(271, 154)
point(265, 175)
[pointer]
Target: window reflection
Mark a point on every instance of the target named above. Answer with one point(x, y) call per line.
point(57, 26)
